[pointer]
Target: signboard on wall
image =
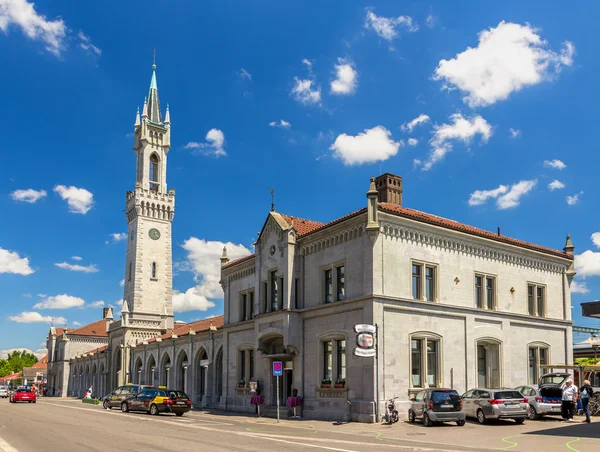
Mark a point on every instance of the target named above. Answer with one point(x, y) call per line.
point(365, 341)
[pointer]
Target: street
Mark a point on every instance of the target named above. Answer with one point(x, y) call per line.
point(58, 424)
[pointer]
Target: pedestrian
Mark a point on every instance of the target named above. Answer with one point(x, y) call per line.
point(586, 394)
point(569, 399)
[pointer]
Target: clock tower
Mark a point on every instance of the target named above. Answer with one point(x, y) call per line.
point(150, 208)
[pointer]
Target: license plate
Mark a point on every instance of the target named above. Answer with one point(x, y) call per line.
point(180, 403)
point(446, 406)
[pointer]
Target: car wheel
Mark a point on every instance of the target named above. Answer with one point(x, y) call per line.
point(30, 401)
point(532, 413)
point(124, 408)
point(426, 421)
point(520, 420)
point(154, 410)
point(481, 416)
point(34, 401)
point(460, 423)
point(106, 405)
point(178, 414)
point(411, 416)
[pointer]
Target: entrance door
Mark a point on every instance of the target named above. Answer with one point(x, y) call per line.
point(289, 383)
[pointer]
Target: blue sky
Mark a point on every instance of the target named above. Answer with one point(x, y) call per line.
point(309, 98)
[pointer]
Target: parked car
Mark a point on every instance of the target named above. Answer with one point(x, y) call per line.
point(487, 404)
point(542, 400)
point(23, 395)
point(114, 399)
point(156, 401)
point(436, 405)
point(3, 392)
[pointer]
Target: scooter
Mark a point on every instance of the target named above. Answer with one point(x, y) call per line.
point(391, 413)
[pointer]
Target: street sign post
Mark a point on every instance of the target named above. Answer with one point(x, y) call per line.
point(367, 346)
point(277, 372)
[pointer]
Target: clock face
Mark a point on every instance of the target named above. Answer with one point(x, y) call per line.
point(272, 250)
point(154, 234)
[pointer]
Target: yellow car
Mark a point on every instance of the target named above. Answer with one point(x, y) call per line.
point(156, 401)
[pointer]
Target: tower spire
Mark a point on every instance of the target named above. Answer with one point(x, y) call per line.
point(153, 102)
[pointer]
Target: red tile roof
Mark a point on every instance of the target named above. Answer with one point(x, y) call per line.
point(11, 377)
point(97, 329)
point(41, 363)
point(239, 261)
point(397, 210)
point(301, 225)
point(59, 331)
point(198, 326)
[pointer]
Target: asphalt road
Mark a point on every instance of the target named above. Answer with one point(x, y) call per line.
point(68, 425)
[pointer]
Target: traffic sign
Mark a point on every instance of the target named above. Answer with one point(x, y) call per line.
point(277, 368)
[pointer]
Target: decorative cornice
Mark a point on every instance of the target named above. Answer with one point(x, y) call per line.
point(334, 239)
point(447, 243)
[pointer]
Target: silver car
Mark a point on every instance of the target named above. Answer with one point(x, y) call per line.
point(487, 404)
point(542, 401)
point(3, 392)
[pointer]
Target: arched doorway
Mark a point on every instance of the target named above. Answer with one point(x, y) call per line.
point(182, 374)
point(95, 381)
point(138, 371)
point(165, 370)
point(201, 372)
point(102, 381)
point(117, 364)
point(219, 373)
point(151, 371)
point(88, 379)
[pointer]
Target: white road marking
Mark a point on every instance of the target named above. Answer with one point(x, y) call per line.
point(304, 444)
point(4, 446)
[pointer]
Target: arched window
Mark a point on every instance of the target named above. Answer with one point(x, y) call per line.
point(426, 360)
point(154, 175)
point(154, 270)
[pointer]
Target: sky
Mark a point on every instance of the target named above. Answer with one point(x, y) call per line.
point(486, 109)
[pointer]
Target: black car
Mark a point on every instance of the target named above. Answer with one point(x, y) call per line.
point(114, 399)
point(436, 405)
point(156, 401)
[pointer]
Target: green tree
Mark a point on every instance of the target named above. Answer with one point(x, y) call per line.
point(5, 368)
point(19, 359)
point(586, 361)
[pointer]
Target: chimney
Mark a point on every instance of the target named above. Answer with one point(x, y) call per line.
point(389, 187)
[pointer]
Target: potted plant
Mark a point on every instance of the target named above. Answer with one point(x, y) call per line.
point(340, 383)
point(326, 383)
point(241, 384)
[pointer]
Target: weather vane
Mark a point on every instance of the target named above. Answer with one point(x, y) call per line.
point(272, 199)
point(154, 50)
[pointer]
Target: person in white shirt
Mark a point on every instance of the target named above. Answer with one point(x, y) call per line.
point(569, 400)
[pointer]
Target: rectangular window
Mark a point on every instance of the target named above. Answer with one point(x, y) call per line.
point(296, 293)
point(341, 360)
point(280, 296)
point(250, 305)
point(264, 297)
point(251, 366)
point(243, 307)
point(479, 291)
point(489, 293)
point(416, 363)
point(328, 286)
point(341, 283)
point(327, 360)
point(485, 292)
point(242, 365)
point(274, 292)
point(432, 371)
point(536, 300)
point(416, 281)
point(429, 283)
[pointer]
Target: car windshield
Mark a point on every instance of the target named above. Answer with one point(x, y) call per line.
point(22, 390)
point(177, 395)
point(508, 395)
point(553, 379)
point(443, 396)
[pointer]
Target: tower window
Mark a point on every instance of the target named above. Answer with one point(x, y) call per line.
point(154, 270)
point(154, 172)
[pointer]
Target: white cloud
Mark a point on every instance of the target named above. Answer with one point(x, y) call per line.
point(430, 21)
point(587, 263)
point(556, 164)
point(409, 126)
point(36, 317)
point(86, 44)
point(22, 14)
point(77, 268)
point(281, 123)
point(75, 323)
point(572, 200)
point(514, 133)
point(39, 353)
point(479, 197)
point(95, 304)
point(346, 79)
point(507, 59)
point(62, 301)
point(77, 258)
point(387, 27)
point(11, 262)
point(556, 185)
point(304, 92)
point(244, 74)
point(214, 147)
point(506, 197)
point(79, 199)
point(203, 260)
point(596, 239)
point(307, 63)
point(122, 283)
point(116, 237)
point(30, 195)
point(413, 141)
point(579, 287)
point(462, 129)
point(373, 145)
point(514, 195)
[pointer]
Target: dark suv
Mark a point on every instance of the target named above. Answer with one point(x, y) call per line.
point(114, 399)
point(436, 405)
